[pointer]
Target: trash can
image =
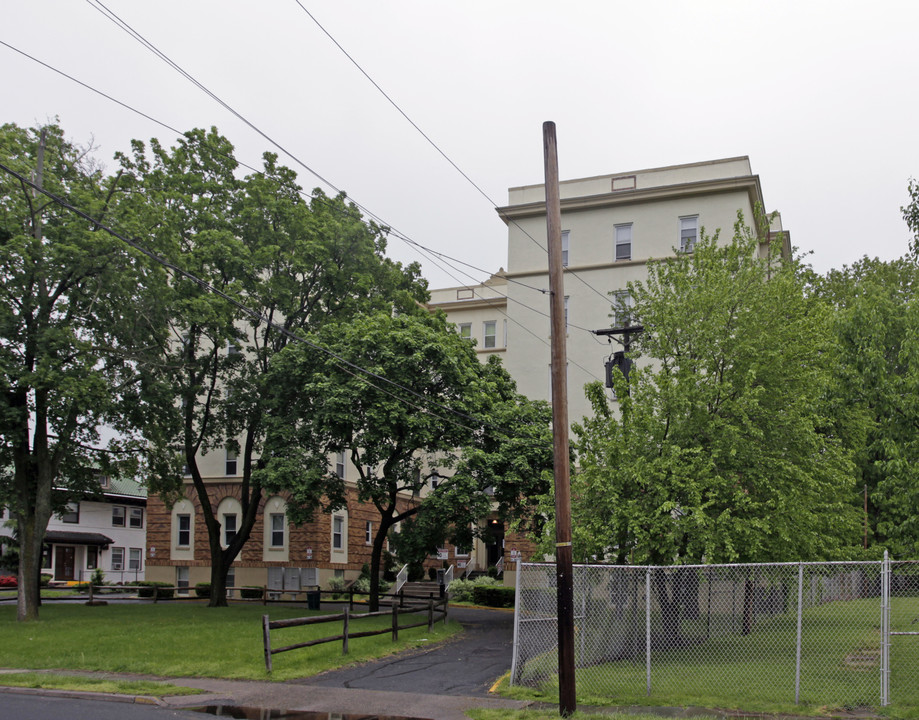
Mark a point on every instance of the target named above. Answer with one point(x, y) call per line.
point(312, 599)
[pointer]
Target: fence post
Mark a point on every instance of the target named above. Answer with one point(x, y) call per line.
point(344, 632)
point(264, 594)
point(90, 592)
point(350, 598)
point(798, 637)
point(648, 630)
point(395, 623)
point(156, 594)
point(885, 630)
point(266, 638)
point(516, 622)
point(401, 598)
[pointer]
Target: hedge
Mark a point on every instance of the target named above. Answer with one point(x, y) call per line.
point(493, 595)
point(251, 592)
point(146, 589)
point(203, 590)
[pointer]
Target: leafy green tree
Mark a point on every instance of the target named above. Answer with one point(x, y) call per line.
point(78, 316)
point(876, 324)
point(291, 267)
point(398, 436)
point(722, 450)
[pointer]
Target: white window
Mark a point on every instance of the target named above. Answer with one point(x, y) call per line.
point(622, 308)
point(136, 517)
point(92, 557)
point(689, 233)
point(338, 532)
point(624, 242)
point(491, 333)
point(232, 349)
point(182, 580)
point(565, 235)
point(231, 462)
point(118, 513)
point(277, 530)
point(183, 530)
point(229, 528)
point(368, 533)
point(231, 581)
point(135, 557)
point(465, 331)
point(117, 558)
point(340, 464)
point(103, 481)
point(71, 514)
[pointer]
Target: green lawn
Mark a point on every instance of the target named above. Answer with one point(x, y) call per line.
point(840, 667)
point(189, 639)
point(91, 683)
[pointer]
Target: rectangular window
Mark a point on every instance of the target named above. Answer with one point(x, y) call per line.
point(231, 581)
point(136, 518)
point(182, 580)
point(277, 530)
point(229, 528)
point(92, 557)
point(118, 513)
point(117, 558)
point(231, 462)
point(183, 531)
point(624, 242)
point(46, 557)
point(338, 532)
point(465, 331)
point(340, 464)
point(491, 333)
point(232, 349)
point(689, 233)
point(565, 235)
point(368, 533)
point(134, 559)
point(566, 311)
point(622, 309)
point(72, 514)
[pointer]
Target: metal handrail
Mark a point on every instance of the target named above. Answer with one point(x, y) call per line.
point(401, 579)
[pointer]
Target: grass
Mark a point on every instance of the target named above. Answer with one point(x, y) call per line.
point(51, 681)
point(504, 714)
point(45, 593)
point(190, 640)
point(840, 668)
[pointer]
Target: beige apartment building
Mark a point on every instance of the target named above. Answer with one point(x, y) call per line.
point(613, 226)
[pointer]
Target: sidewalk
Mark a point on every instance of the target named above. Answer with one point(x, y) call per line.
point(294, 697)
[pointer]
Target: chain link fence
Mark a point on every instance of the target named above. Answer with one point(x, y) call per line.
point(814, 633)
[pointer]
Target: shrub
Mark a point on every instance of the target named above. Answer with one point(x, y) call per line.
point(98, 577)
point(493, 572)
point(493, 595)
point(432, 573)
point(251, 592)
point(462, 590)
point(203, 590)
point(147, 588)
point(415, 572)
point(9, 581)
point(44, 580)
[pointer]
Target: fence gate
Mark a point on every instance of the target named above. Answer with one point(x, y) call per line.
point(844, 634)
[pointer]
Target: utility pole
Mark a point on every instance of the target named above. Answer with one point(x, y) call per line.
point(567, 702)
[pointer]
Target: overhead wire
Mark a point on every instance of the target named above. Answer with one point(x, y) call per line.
point(423, 250)
point(367, 376)
point(439, 150)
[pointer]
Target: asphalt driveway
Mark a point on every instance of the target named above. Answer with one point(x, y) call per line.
point(468, 665)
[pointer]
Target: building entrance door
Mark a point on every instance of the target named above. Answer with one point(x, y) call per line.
point(494, 542)
point(64, 556)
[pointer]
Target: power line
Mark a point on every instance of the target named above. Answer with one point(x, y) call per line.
point(341, 362)
point(436, 147)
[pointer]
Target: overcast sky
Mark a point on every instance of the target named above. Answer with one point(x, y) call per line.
point(820, 95)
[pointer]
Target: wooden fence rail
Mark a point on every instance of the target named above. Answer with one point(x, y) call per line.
point(433, 606)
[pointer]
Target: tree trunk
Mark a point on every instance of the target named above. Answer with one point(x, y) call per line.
point(375, 557)
point(30, 542)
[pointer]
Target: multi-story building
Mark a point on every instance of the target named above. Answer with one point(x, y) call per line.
point(106, 532)
point(613, 226)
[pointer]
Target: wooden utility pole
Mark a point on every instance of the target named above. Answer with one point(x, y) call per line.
point(567, 702)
